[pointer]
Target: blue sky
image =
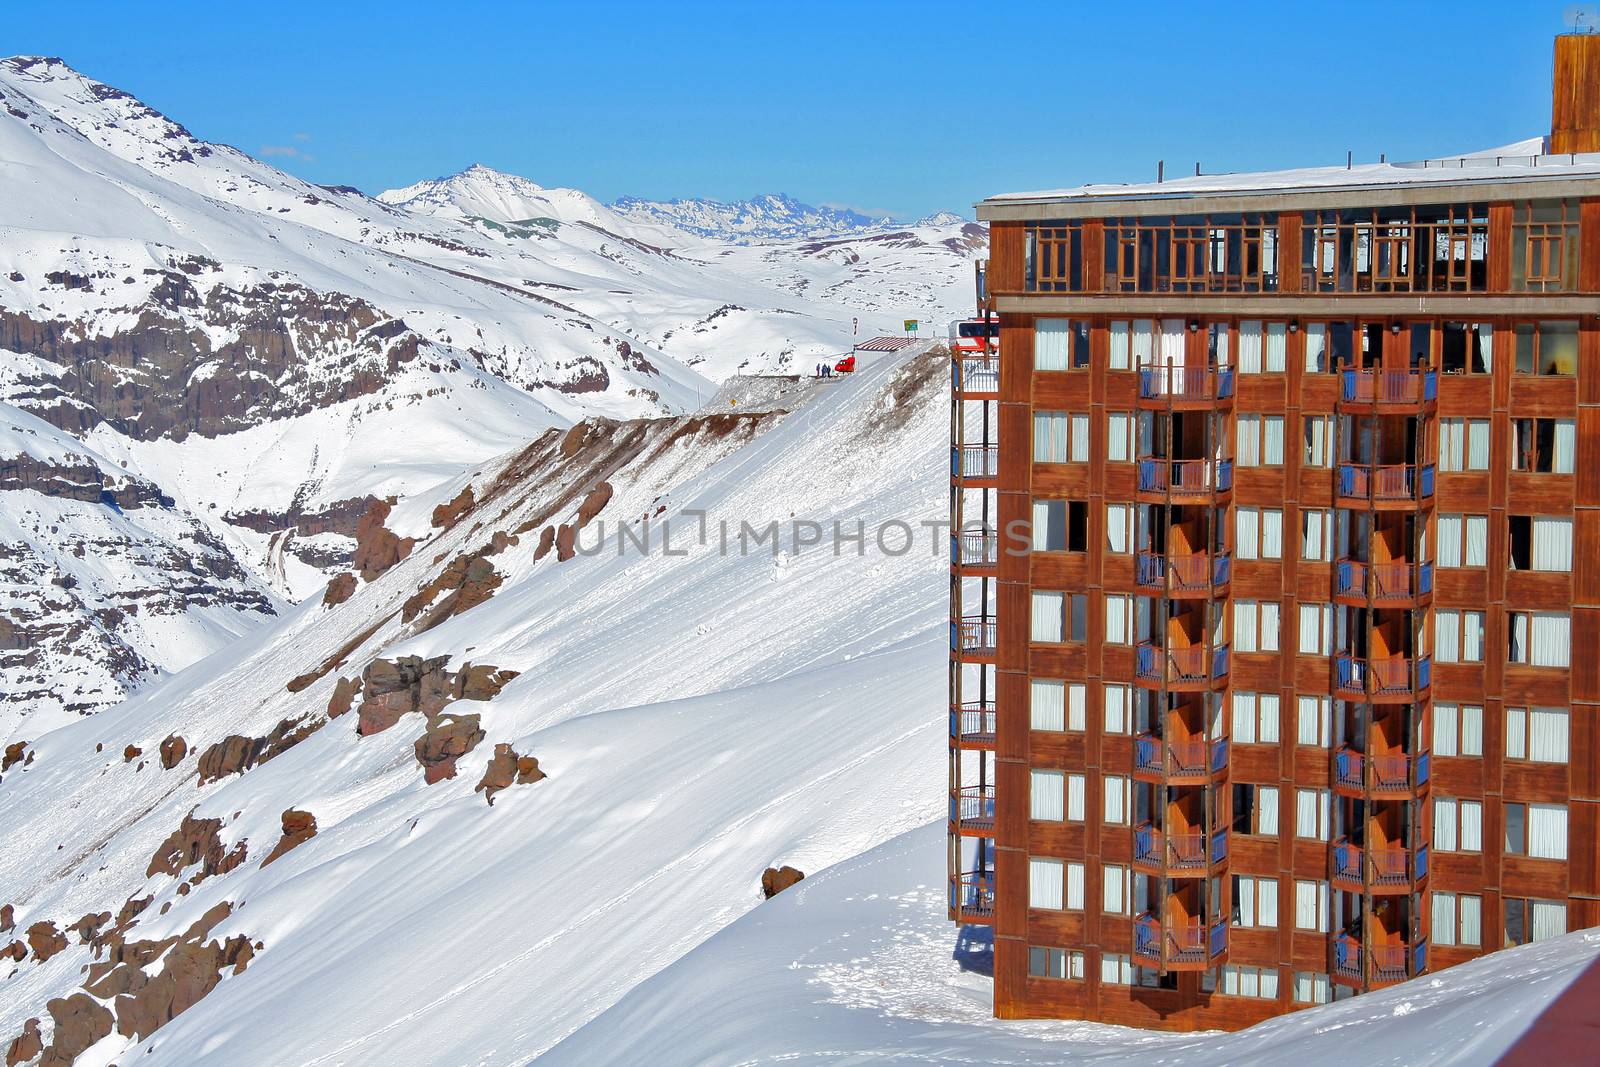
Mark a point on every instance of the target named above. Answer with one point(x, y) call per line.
point(899, 108)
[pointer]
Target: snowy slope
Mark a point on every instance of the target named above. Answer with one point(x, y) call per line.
point(773, 708)
point(855, 966)
point(764, 218)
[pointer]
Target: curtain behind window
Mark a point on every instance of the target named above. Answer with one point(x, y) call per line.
point(1052, 341)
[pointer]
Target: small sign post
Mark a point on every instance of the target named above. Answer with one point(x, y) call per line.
point(911, 326)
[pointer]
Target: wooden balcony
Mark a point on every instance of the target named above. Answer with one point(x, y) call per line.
point(1170, 946)
point(1383, 585)
point(1386, 777)
point(975, 375)
point(1181, 762)
point(973, 638)
point(1395, 680)
point(975, 552)
point(1384, 487)
point(1380, 871)
point(1185, 388)
point(972, 724)
point(1387, 392)
point(1195, 575)
point(972, 811)
point(1185, 481)
point(1371, 966)
point(1189, 855)
point(972, 897)
point(1194, 668)
point(975, 465)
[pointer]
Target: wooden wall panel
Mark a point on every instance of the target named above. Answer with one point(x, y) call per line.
point(1575, 95)
point(1006, 251)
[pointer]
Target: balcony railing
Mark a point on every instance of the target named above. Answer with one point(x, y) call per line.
point(1387, 484)
point(1186, 945)
point(972, 895)
point(1378, 964)
point(1397, 677)
point(1192, 479)
point(975, 548)
point(1180, 759)
point(973, 633)
point(975, 461)
point(973, 722)
point(1197, 572)
point(1398, 774)
point(1195, 665)
point(1383, 582)
point(1398, 388)
point(1171, 853)
point(973, 807)
point(1386, 870)
point(1184, 385)
point(975, 372)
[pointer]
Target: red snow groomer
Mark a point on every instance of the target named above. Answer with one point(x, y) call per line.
point(847, 365)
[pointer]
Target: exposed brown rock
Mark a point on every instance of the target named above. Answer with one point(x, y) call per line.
point(344, 695)
point(305, 681)
point(131, 753)
point(188, 972)
point(377, 547)
point(236, 753)
point(598, 498)
point(392, 688)
point(88, 927)
point(298, 828)
point(467, 581)
point(775, 880)
point(8, 920)
point(547, 541)
point(15, 754)
point(80, 1022)
point(45, 940)
point(173, 749)
point(16, 951)
point(566, 542)
point(506, 768)
point(195, 841)
point(447, 739)
point(447, 515)
point(340, 588)
point(26, 1045)
point(573, 442)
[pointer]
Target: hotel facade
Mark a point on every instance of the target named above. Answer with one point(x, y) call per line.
point(1275, 580)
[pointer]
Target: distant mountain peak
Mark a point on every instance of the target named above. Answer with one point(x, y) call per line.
point(763, 217)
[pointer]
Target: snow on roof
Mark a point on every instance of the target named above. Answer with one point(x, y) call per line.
point(1521, 161)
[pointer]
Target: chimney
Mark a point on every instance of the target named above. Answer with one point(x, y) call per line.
point(1575, 101)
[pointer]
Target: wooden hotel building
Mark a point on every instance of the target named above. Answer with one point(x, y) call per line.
point(1275, 590)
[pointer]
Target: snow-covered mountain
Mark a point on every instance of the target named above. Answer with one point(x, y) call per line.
point(768, 217)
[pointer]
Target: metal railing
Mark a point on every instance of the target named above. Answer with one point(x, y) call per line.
point(1386, 483)
point(1185, 666)
point(1185, 477)
point(975, 461)
point(975, 548)
point(973, 633)
point(972, 894)
point(1180, 759)
point(1378, 964)
point(1185, 384)
point(1389, 773)
point(973, 720)
point(1382, 868)
point(976, 373)
point(1190, 573)
point(973, 805)
point(1395, 676)
point(1381, 582)
point(1398, 387)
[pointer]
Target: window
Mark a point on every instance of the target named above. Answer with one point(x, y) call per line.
point(1237, 981)
point(1536, 830)
point(1543, 446)
point(1255, 810)
point(1260, 441)
point(1532, 920)
point(1547, 348)
point(1120, 441)
point(1311, 906)
point(1259, 533)
point(1119, 528)
point(1060, 437)
point(1458, 636)
point(1255, 718)
point(1329, 345)
point(1119, 619)
point(1313, 814)
point(1540, 638)
point(1119, 709)
point(1074, 799)
point(1132, 344)
point(1457, 825)
point(1060, 344)
point(1316, 629)
point(1466, 348)
point(1544, 246)
point(1054, 963)
point(1118, 799)
point(1457, 919)
point(1457, 730)
point(1263, 348)
point(1315, 721)
point(1540, 543)
point(1056, 705)
point(1537, 734)
point(1051, 884)
point(1116, 969)
point(1115, 889)
point(1059, 617)
point(1316, 534)
point(1060, 525)
point(1464, 444)
point(1047, 793)
point(1313, 987)
point(1463, 540)
point(1255, 901)
point(1318, 441)
point(1255, 626)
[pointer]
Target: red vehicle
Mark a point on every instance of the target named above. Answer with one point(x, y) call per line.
point(847, 365)
point(968, 335)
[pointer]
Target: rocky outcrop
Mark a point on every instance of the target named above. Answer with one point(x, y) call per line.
point(597, 499)
point(447, 739)
point(345, 691)
point(195, 841)
point(173, 749)
point(16, 951)
point(237, 753)
point(88, 927)
point(45, 940)
point(131, 753)
point(506, 768)
point(8, 920)
point(298, 828)
point(775, 880)
point(80, 1022)
point(466, 581)
point(392, 688)
point(448, 514)
point(547, 541)
point(83, 481)
point(377, 547)
point(26, 1045)
point(16, 752)
point(340, 588)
